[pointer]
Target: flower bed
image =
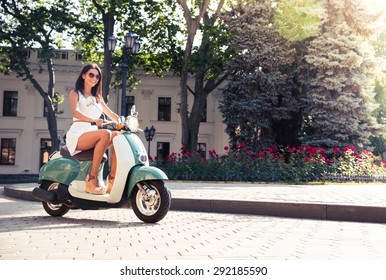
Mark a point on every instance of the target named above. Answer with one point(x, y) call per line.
point(301, 164)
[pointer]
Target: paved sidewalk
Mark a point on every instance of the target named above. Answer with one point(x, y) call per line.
point(341, 202)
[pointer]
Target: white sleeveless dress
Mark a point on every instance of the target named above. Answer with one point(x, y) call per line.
point(90, 109)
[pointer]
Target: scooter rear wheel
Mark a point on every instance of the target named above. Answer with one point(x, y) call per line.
point(55, 210)
point(153, 207)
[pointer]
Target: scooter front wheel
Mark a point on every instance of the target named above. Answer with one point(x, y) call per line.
point(151, 205)
point(55, 210)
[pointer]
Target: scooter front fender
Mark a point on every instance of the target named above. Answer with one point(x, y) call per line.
point(144, 173)
point(61, 170)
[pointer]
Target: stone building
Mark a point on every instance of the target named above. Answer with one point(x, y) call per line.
point(24, 136)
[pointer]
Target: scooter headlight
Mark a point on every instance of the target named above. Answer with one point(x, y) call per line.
point(132, 123)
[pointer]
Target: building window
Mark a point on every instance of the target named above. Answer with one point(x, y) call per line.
point(130, 101)
point(201, 149)
point(164, 109)
point(10, 103)
point(63, 55)
point(27, 54)
point(163, 150)
point(45, 150)
point(79, 57)
point(8, 151)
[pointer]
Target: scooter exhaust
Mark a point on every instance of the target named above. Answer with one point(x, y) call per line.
point(44, 195)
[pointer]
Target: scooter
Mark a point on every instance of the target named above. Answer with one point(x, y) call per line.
point(137, 184)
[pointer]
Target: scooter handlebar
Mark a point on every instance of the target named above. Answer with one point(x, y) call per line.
point(115, 126)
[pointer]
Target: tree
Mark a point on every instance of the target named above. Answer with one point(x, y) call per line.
point(207, 62)
point(298, 20)
point(379, 141)
point(260, 92)
point(341, 98)
point(160, 27)
point(92, 38)
point(156, 24)
point(24, 25)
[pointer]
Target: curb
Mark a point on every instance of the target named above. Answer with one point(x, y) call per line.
point(328, 212)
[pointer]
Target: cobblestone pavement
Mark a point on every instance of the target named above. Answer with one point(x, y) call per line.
point(27, 232)
point(334, 202)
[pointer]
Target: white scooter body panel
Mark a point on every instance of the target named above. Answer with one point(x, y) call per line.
point(126, 161)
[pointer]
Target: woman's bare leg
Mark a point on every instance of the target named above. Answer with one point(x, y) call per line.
point(113, 162)
point(99, 140)
point(113, 155)
point(113, 170)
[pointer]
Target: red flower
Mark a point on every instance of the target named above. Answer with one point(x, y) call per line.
point(369, 154)
point(262, 154)
point(311, 150)
point(226, 148)
point(350, 150)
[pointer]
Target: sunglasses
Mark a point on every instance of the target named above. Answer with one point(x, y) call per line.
point(92, 76)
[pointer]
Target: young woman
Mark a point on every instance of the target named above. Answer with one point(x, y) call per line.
point(87, 105)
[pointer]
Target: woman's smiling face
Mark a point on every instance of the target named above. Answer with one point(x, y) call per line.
point(91, 78)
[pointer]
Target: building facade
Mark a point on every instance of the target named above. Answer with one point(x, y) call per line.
point(24, 136)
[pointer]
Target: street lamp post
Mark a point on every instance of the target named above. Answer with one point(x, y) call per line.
point(130, 49)
point(149, 134)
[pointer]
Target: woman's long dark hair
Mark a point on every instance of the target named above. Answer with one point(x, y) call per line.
point(95, 90)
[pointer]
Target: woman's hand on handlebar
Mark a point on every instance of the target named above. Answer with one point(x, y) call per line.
point(98, 122)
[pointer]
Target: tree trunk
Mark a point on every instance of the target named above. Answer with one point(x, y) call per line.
point(108, 22)
point(192, 26)
point(196, 113)
point(47, 97)
point(184, 110)
point(51, 117)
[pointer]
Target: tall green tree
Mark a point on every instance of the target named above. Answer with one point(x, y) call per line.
point(379, 141)
point(27, 24)
point(341, 99)
point(259, 97)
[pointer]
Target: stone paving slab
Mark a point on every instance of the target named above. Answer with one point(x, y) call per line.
point(28, 233)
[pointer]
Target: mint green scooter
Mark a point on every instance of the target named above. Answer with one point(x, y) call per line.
point(137, 184)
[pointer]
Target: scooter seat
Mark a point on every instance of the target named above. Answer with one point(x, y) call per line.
point(82, 156)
